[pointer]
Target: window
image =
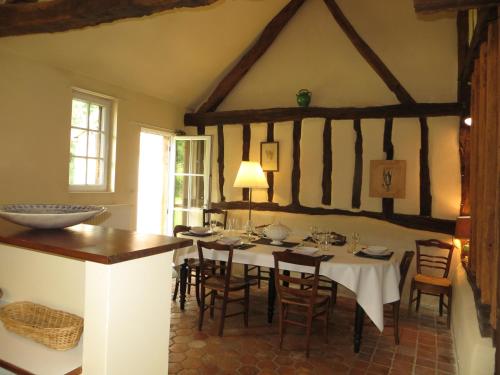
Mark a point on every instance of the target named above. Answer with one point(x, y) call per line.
point(191, 186)
point(90, 142)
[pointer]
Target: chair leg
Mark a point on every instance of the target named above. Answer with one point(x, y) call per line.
point(213, 293)
point(308, 330)
point(412, 288)
point(334, 293)
point(197, 285)
point(202, 308)
point(222, 316)
point(258, 277)
point(281, 323)
point(441, 301)
point(302, 275)
point(327, 319)
point(176, 290)
point(449, 307)
point(418, 299)
point(247, 305)
point(395, 317)
point(190, 274)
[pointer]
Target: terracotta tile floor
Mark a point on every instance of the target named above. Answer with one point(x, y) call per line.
point(426, 346)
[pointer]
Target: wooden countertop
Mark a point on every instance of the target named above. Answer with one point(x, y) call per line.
point(90, 242)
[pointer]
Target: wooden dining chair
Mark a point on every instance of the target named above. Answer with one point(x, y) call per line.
point(432, 284)
point(404, 266)
point(207, 215)
point(221, 283)
point(290, 294)
point(193, 266)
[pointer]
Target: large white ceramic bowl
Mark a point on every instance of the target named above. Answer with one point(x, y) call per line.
point(48, 216)
point(277, 233)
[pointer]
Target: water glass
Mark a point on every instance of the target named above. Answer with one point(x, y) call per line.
point(353, 242)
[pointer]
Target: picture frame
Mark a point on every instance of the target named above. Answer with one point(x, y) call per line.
point(269, 156)
point(388, 178)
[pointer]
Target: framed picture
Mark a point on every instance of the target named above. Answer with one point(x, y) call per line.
point(269, 156)
point(388, 178)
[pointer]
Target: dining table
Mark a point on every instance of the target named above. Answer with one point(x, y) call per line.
point(374, 282)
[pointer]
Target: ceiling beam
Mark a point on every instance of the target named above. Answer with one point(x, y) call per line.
point(430, 6)
point(369, 55)
point(342, 113)
point(61, 15)
point(267, 37)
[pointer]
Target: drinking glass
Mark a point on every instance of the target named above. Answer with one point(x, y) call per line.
point(353, 243)
point(314, 233)
point(213, 225)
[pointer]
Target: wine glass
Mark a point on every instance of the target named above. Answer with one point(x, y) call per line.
point(314, 233)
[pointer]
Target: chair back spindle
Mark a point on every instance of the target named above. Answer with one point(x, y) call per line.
point(208, 212)
point(404, 266)
point(289, 286)
point(438, 262)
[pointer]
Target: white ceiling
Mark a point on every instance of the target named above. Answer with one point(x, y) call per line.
point(179, 56)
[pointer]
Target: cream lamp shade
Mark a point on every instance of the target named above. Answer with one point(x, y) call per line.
point(250, 175)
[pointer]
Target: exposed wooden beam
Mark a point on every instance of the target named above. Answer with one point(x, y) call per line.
point(388, 147)
point(270, 175)
point(409, 221)
point(357, 180)
point(341, 113)
point(326, 180)
point(265, 40)
point(245, 156)
point(462, 47)
point(425, 176)
point(484, 17)
point(430, 6)
point(220, 160)
point(297, 134)
point(61, 15)
point(369, 55)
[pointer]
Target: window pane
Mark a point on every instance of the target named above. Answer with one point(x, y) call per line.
point(197, 166)
point(182, 156)
point(197, 191)
point(95, 117)
point(94, 144)
point(180, 217)
point(77, 171)
point(181, 191)
point(78, 145)
point(94, 172)
point(79, 113)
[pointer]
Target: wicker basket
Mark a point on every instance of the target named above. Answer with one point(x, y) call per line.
point(53, 328)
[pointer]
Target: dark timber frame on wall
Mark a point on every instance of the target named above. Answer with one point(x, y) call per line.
point(408, 108)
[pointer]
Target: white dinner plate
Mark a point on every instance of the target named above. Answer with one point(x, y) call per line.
point(305, 250)
point(376, 250)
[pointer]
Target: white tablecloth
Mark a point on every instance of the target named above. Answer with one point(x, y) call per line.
point(375, 282)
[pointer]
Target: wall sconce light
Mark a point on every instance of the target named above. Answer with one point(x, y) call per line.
point(468, 121)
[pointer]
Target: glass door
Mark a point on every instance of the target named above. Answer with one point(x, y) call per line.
point(191, 174)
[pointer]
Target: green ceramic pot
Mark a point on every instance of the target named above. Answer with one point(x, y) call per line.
point(304, 98)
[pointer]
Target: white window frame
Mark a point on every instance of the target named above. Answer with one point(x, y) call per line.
point(207, 176)
point(108, 103)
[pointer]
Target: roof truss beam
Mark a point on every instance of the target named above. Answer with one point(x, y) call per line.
point(60, 15)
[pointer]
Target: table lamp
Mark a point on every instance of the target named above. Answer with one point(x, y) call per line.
point(251, 176)
point(462, 232)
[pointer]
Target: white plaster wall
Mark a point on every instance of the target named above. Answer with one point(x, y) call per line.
point(35, 112)
point(475, 354)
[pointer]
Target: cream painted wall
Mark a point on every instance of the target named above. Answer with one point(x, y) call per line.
point(35, 110)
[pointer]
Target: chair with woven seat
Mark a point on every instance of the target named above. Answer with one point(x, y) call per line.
point(404, 266)
point(437, 285)
point(290, 293)
point(193, 266)
point(221, 283)
point(207, 216)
